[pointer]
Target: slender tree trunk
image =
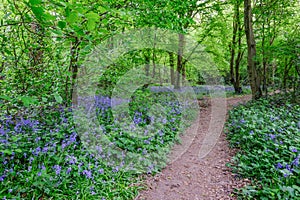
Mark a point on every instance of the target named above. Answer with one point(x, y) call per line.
point(287, 67)
point(73, 69)
point(160, 78)
point(264, 61)
point(147, 65)
point(183, 71)
point(273, 74)
point(179, 59)
point(237, 86)
point(232, 48)
point(172, 65)
point(265, 78)
point(252, 64)
point(153, 63)
point(235, 60)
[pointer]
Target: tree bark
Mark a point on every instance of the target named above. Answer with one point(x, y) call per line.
point(73, 69)
point(147, 65)
point(232, 49)
point(179, 59)
point(252, 63)
point(172, 65)
point(235, 62)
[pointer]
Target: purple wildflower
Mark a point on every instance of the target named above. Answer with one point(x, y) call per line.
point(57, 169)
point(279, 166)
point(87, 173)
point(69, 170)
point(272, 136)
point(296, 161)
point(116, 169)
point(294, 150)
point(101, 171)
point(146, 141)
point(2, 178)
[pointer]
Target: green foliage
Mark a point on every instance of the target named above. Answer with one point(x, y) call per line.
point(46, 159)
point(44, 43)
point(266, 132)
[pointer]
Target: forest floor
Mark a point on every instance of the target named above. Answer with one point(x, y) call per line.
point(191, 178)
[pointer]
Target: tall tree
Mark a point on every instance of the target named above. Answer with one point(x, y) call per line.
point(253, 74)
point(236, 42)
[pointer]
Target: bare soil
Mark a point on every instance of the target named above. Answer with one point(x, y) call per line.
point(191, 178)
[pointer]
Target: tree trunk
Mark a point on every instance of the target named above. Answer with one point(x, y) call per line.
point(172, 65)
point(73, 69)
point(287, 67)
point(179, 59)
point(235, 60)
point(147, 65)
point(264, 61)
point(252, 64)
point(153, 63)
point(232, 49)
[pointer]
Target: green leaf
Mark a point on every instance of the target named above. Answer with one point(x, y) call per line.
point(49, 17)
point(27, 101)
point(61, 24)
point(58, 98)
point(92, 16)
point(44, 99)
point(91, 25)
point(38, 12)
point(296, 187)
point(101, 9)
point(289, 189)
point(7, 151)
point(14, 138)
point(72, 18)
point(35, 2)
point(5, 97)
point(92, 19)
point(18, 150)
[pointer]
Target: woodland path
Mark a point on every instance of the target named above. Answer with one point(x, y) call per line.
point(188, 177)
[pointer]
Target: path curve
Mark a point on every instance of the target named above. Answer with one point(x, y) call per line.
point(188, 177)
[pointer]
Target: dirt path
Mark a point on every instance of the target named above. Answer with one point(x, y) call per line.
point(191, 178)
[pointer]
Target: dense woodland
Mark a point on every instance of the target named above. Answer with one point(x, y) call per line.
point(253, 44)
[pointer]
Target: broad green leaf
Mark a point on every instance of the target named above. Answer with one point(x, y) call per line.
point(27, 101)
point(58, 98)
point(18, 150)
point(91, 25)
point(5, 97)
point(7, 151)
point(35, 2)
point(38, 12)
point(101, 9)
point(49, 17)
point(61, 24)
point(72, 18)
point(92, 16)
